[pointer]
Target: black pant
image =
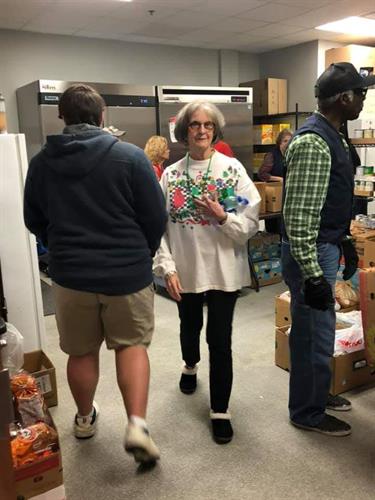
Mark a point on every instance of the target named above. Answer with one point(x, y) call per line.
point(220, 307)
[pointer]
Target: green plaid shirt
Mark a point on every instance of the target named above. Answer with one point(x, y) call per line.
point(308, 162)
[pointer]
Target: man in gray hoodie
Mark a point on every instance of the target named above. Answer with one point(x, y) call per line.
point(96, 203)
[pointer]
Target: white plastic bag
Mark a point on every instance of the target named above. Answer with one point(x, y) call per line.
point(349, 339)
point(12, 353)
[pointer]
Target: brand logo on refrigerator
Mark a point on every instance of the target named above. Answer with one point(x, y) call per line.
point(48, 86)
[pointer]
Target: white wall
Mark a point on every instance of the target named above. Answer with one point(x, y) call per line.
point(32, 56)
point(298, 64)
point(248, 67)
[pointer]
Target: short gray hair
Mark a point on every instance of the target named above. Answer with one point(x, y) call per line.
point(183, 119)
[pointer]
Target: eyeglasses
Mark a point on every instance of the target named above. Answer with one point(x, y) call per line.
point(361, 92)
point(198, 125)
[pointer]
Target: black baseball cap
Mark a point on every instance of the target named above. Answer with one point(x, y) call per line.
point(339, 77)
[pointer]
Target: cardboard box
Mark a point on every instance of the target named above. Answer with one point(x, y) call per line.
point(282, 311)
point(40, 366)
point(348, 371)
point(269, 96)
point(367, 297)
point(268, 271)
point(41, 476)
point(263, 134)
point(264, 246)
point(369, 253)
point(359, 55)
point(274, 195)
point(261, 187)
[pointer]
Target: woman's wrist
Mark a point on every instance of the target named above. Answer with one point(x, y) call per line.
point(223, 219)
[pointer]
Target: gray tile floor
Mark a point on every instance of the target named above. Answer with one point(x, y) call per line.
point(268, 459)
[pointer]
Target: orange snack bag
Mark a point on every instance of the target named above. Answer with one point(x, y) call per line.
point(33, 442)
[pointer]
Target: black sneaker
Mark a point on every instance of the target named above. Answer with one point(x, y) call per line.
point(188, 383)
point(331, 426)
point(338, 403)
point(222, 431)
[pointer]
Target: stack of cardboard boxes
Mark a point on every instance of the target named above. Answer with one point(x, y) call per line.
point(42, 478)
point(269, 96)
point(271, 194)
point(264, 249)
point(348, 370)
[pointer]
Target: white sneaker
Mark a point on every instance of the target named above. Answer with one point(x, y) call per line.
point(85, 427)
point(138, 442)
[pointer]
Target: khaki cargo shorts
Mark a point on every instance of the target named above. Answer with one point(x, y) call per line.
point(85, 319)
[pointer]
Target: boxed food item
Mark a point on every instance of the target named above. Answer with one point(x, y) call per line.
point(360, 235)
point(261, 187)
point(40, 366)
point(269, 96)
point(348, 370)
point(268, 271)
point(262, 134)
point(274, 196)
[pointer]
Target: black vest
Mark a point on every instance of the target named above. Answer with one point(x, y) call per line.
point(337, 209)
point(278, 164)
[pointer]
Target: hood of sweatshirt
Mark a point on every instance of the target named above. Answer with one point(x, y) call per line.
point(78, 150)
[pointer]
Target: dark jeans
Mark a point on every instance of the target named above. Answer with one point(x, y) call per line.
point(311, 340)
point(220, 309)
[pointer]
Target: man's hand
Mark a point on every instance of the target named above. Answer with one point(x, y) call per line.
point(210, 207)
point(174, 287)
point(318, 293)
point(351, 259)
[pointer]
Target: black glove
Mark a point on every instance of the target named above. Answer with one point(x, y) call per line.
point(318, 293)
point(350, 257)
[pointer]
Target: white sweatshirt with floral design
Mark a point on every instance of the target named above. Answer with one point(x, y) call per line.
point(207, 255)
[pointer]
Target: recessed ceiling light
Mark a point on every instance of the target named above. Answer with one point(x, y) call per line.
point(362, 26)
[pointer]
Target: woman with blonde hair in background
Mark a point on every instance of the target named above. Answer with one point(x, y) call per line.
point(157, 151)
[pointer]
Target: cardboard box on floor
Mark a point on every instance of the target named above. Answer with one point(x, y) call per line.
point(367, 297)
point(269, 96)
point(348, 370)
point(40, 366)
point(369, 253)
point(274, 195)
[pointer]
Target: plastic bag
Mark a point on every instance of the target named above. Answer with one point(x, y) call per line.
point(345, 295)
point(12, 353)
point(349, 336)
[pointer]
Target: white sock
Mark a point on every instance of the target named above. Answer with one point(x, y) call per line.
point(140, 422)
point(87, 416)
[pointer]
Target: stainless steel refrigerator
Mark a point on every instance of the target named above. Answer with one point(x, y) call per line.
point(235, 104)
point(131, 108)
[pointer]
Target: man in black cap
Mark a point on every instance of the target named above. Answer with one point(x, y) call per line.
point(317, 213)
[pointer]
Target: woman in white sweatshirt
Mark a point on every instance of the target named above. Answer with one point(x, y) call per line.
point(213, 210)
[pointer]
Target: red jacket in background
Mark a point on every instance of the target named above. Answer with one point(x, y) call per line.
point(224, 148)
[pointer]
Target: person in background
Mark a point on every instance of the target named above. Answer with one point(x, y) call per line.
point(213, 211)
point(157, 151)
point(272, 168)
point(223, 147)
point(317, 215)
point(95, 202)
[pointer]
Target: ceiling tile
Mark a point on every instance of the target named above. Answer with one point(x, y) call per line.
point(237, 25)
point(274, 12)
point(112, 25)
point(12, 22)
point(226, 7)
point(276, 29)
point(161, 30)
point(202, 35)
point(191, 19)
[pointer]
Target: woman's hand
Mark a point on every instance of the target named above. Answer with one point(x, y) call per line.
point(210, 207)
point(174, 287)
